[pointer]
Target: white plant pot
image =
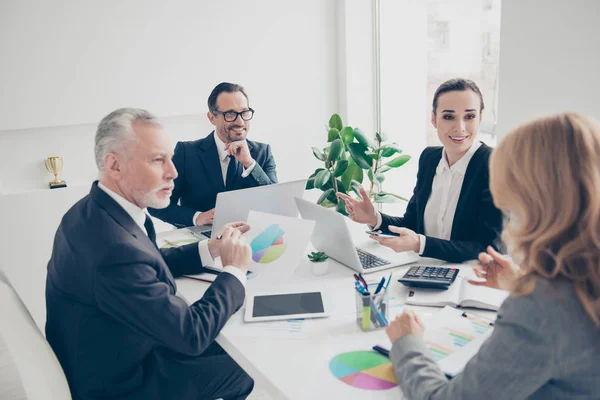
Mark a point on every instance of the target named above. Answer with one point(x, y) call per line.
point(319, 268)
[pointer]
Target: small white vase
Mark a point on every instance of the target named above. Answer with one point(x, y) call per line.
point(319, 268)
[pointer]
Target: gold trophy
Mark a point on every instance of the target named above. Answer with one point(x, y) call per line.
point(54, 165)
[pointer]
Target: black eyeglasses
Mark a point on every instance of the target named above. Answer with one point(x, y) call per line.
point(231, 116)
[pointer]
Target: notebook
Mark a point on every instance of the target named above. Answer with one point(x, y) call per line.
point(453, 337)
point(460, 294)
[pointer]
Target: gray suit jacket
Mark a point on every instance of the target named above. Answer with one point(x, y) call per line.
point(543, 346)
point(113, 318)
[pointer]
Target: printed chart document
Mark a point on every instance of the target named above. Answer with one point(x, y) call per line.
point(460, 294)
point(453, 337)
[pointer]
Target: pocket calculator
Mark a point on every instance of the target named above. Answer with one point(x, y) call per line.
point(429, 277)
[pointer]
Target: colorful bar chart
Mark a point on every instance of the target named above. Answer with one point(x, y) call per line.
point(453, 331)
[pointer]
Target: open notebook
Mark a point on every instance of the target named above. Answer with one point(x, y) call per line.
point(460, 294)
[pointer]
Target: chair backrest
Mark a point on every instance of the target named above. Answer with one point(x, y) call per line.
point(29, 369)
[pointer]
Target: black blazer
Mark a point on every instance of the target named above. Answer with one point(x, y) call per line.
point(200, 178)
point(477, 222)
point(113, 319)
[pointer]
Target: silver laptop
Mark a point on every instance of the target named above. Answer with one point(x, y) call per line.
point(332, 236)
point(234, 205)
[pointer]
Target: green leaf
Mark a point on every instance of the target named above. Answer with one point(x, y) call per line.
point(383, 170)
point(341, 207)
point(357, 151)
point(373, 155)
point(336, 122)
point(370, 174)
point(355, 187)
point(341, 187)
point(340, 168)
point(361, 138)
point(322, 178)
point(389, 150)
point(324, 195)
point(333, 134)
point(310, 184)
point(398, 161)
point(379, 177)
point(383, 136)
point(347, 135)
point(352, 172)
point(331, 197)
point(318, 153)
point(383, 197)
point(335, 150)
point(316, 172)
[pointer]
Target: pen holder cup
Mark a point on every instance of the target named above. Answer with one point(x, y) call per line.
point(372, 309)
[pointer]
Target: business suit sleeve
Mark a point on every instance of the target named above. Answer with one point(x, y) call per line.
point(175, 214)
point(265, 174)
point(129, 290)
point(514, 362)
point(409, 220)
point(487, 225)
point(183, 260)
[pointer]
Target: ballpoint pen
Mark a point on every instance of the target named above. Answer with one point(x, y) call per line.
point(381, 282)
point(362, 280)
point(382, 351)
point(388, 282)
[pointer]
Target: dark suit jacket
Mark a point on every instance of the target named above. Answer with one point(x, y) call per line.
point(477, 222)
point(113, 319)
point(200, 178)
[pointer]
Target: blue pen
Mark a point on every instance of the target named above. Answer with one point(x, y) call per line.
point(382, 351)
point(381, 282)
point(381, 320)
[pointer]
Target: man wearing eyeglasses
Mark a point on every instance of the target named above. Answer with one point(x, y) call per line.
point(222, 161)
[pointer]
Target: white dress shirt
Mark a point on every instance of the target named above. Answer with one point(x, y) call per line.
point(224, 165)
point(139, 217)
point(445, 191)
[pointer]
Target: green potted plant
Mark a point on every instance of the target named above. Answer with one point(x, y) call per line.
point(350, 156)
point(319, 262)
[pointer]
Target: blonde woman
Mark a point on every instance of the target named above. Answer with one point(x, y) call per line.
point(546, 344)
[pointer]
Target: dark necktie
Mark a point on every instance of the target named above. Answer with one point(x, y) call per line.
point(150, 229)
point(232, 172)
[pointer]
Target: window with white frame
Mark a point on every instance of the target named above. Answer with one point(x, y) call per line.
point(422, 43)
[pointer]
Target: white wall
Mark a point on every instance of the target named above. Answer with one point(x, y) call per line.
point(549, 59)
point(66, 64)
point(166, 57)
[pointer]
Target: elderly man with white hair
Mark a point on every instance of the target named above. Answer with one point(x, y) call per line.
point(113, 317)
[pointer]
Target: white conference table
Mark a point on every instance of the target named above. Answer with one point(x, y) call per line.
point(290, 359)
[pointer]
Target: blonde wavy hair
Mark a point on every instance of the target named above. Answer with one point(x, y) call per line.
point(546, 175)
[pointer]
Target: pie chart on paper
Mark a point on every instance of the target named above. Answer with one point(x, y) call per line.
point(268, 245)
point(363, 370)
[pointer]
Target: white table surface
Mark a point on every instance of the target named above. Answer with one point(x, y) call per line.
point(296, 365)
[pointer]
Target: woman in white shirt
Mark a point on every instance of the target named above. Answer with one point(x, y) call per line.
point(451, 215)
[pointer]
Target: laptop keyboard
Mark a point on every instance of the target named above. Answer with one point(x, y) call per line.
point(369, 260)
point(206, 233)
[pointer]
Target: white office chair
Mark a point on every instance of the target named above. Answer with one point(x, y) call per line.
point(29, 369)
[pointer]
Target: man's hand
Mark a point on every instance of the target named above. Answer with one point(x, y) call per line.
point(408, 240)
point(235, 250)
point(405, 324)
point(215, 245)
point(205, 218)
point(240, 151)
